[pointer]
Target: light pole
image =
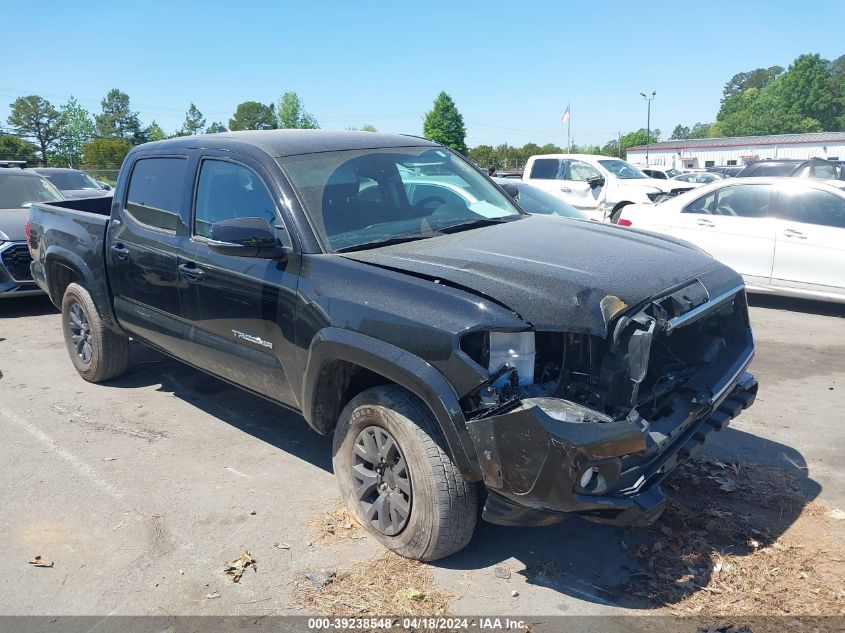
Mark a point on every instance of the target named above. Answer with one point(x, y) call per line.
point(648, 121)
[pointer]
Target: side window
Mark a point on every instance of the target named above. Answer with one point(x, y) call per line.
point(226, 191)
point(746, 201)
point(545, 168)
point(155, 192)
point(704, 204)
point(582, 171)
point(812, 206)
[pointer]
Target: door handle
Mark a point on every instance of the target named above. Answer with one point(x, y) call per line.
point(190, 271)
point(566, 190)
point(794, 233)
point(119, 251)
point(707, 223)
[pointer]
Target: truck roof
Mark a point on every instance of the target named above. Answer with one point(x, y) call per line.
point(280, 143)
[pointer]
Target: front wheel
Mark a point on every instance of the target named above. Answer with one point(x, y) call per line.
point(397, 478)
point(97, 352)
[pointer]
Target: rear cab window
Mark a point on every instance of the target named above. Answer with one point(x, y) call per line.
point(154, 194)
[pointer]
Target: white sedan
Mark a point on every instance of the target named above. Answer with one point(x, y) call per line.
point(785, 236)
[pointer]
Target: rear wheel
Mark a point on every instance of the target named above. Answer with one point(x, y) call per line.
point(397, 477)
point(97, 352)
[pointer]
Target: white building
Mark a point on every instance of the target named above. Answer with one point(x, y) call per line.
point(739, 150)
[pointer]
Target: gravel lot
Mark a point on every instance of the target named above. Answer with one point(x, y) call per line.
point(142, 489)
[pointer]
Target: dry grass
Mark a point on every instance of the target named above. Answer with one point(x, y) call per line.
point(335, 526)
point(741, 540)
point(387, 585)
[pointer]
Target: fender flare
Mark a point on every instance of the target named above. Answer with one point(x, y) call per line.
point(95, 284)
point(401, 367)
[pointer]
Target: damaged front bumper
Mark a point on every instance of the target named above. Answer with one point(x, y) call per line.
point(538, 467)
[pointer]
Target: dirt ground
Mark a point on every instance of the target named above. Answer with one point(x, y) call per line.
point(141, 492)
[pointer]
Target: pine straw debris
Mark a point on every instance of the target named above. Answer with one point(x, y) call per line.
point(741, 539)
point(388, 584)
point(336, 526)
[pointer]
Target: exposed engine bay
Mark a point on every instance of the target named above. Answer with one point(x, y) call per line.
point(680, 341)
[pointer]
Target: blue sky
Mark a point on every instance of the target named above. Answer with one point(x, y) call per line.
point(511, 67)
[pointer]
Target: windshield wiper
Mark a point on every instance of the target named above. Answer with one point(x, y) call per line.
point(474, 224)
point(385, 241)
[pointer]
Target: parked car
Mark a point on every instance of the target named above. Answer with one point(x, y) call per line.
point(728, 170)
point(792, 168)
point(536, 201)
point(447, 346)
point(597, 185)
point(74, 183)
point(700, 177)
point(660, 172)
point(19, 187)
point(785, 236)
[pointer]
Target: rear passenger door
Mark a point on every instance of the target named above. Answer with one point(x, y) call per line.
point(732, 223)
point(810, 230)
point(239, 310)
point(141, 249)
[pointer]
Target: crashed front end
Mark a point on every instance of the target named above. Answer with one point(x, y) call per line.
point(600, 421)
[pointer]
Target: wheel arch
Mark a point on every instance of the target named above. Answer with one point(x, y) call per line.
point(342, 363)
point(63, 267)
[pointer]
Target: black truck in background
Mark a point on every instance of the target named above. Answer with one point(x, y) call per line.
point(390, 292)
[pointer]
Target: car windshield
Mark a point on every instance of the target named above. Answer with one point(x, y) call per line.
point(622, 169)
point(363, 198)
point(71, 180)
point(17, 189)
point(534, 200)
point(672, 172)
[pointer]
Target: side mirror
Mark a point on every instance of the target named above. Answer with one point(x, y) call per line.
point(595, 182)
point(26, 205)
point(245, 237)
point(511, 190)
point(105, 186)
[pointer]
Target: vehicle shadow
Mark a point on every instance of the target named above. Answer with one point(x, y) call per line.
point(809, 306)
point(720, 506)
point(251, 414)
point(717, 509)
point(26, 307)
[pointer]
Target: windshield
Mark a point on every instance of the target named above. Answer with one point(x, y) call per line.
point(71, 180)
point(534, 200)
point(364, 197)
point(17, 189)
point(672, 172)
point(622, 169)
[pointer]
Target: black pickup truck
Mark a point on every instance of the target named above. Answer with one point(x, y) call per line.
point(458, 349)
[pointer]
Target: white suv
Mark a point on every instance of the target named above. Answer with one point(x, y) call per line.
point(598, 185)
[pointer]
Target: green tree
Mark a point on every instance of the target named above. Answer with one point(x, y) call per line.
point(758, 78)
point(484, 156)
point(680, 132)
point(804, 90)
point(154, 132)
point(15, 148)
point(702, 130)
point(105, 153)
point(214, 127)
point(292, 115)
point(368, 128)
point(194, 121)
point(444, 124)
point(551, 148)
point(252, 115)
point(77, 129)
point(36, 118)
point(117, 120)
point(611, 148)
point(638, 137)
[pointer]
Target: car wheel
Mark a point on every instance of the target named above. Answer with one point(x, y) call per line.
point(397, 477)
point(97, 352)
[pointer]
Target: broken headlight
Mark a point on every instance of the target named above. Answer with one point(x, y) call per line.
point(492, 350)
point(566, 411)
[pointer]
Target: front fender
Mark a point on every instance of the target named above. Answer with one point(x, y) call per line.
point(401, 367)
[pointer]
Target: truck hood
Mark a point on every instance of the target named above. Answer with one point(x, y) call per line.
point(557, 273)
point(12, 223)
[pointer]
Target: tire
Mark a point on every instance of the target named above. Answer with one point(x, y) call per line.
point(442, 504)
point(97, 352)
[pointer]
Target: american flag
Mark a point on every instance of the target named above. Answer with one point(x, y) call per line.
point(565, 116)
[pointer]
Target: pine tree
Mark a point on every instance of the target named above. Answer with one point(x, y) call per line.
point(444, 124)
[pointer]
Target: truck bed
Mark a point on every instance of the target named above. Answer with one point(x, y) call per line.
point(73, 232)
